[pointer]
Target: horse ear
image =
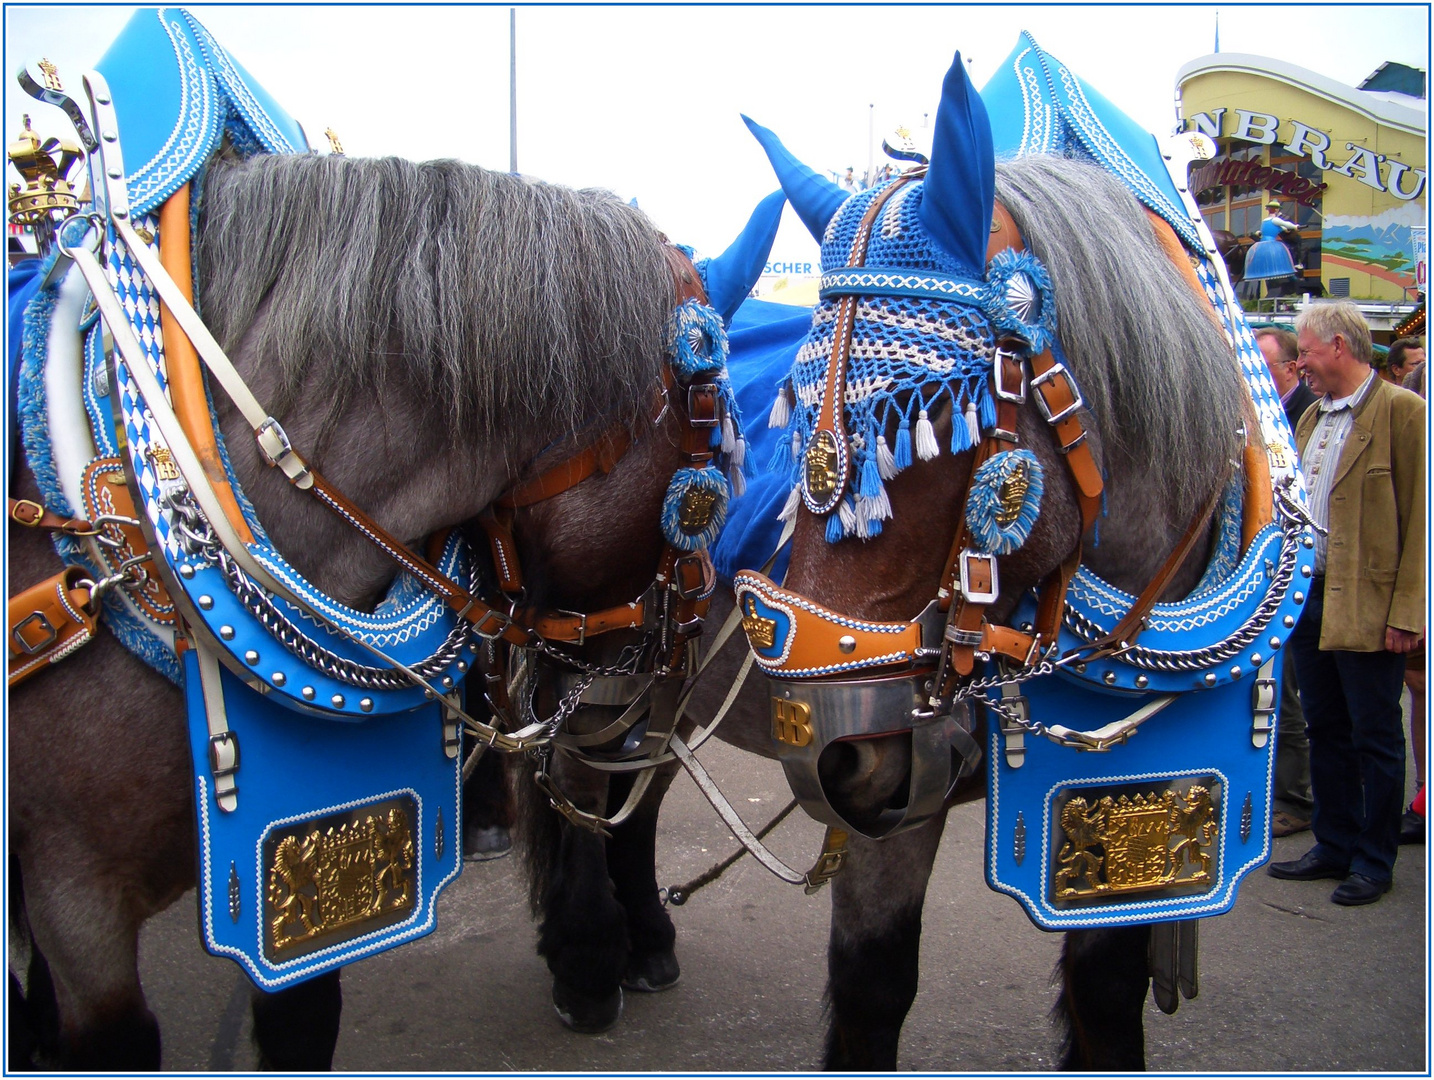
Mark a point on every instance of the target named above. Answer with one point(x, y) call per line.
point(731, 275)
point(815, 198)
point(960, 185)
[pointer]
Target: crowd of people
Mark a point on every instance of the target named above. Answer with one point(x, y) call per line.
point(1359, 428)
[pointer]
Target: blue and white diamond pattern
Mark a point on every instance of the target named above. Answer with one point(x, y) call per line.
point(141, 305)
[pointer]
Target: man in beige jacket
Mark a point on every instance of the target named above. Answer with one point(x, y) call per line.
point(1362, 454)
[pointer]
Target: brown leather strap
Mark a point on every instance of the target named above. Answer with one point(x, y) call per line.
point(47, 622)
point(34, 516)
point(1128, 629)
point(831, 415)
point(602, 455)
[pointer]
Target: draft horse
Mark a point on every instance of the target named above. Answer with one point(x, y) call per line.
point(430, 334)
point(1161, 412)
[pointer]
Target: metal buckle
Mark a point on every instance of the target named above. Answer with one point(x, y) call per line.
point(1058, 370)
point(274, 444)
point(703, 421)
point(26, 647)
point(982, 597)
point(582, 623)
point(957, 636)
point(504, 621)
point(223, 760)
point(996, 382)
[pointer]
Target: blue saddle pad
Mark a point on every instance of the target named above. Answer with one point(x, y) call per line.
point(763, 341)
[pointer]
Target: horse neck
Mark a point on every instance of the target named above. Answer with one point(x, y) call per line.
point(393, 458)
point(598, 543)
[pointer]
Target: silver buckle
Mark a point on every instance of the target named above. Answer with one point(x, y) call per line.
point(582, 623)
point(974, 597)
point(1001, 392)
point(716, 406)
point(24, 646)
point(1046, 376)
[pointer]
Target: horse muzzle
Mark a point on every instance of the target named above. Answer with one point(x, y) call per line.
point(852, 722)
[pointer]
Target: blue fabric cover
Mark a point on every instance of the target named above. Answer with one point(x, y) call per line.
point(175, 92)
point(730, 276)
point(763, 341)
point(1037, 105)
point(1269, 259)
point(815, 198)
point(961, 182)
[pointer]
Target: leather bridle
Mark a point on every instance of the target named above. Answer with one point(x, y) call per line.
point(866, 677)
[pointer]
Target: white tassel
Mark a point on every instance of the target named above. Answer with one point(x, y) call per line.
point(973, 423)
point(738, 481)
point(926, 447)
point(847, 513)
point(729, 435)
point(796, 446)
point(789, 510)
point(739, 454)
point(781, 414)
point(885, 462)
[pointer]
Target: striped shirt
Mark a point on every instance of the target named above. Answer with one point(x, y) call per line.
point(1320, 460)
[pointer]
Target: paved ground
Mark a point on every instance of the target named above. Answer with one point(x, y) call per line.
point(1289, 981)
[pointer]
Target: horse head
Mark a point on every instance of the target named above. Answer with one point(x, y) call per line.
point(978, 395)
point(622, 536)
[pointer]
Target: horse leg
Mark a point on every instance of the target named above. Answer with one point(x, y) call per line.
point(583, 929)
point(297, 1028)
point(1104, 977)
point(92, 945)
point(632, 865)
point(874, 952)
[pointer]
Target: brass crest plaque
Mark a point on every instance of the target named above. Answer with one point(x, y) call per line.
point(821, 466)
point(333, 878)
point(695, 512)
point(162, 461)
point(762, 633)
point(1111, 843)
point(1012, 496)
point(791, 722)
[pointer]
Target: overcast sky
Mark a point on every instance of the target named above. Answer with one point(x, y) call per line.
point(646, 100)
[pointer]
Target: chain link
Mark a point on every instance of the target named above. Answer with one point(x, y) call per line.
point(198, 540)
point(1211, 655)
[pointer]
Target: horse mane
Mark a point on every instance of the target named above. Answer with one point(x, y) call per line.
point(507, 300)
point(1153, 366)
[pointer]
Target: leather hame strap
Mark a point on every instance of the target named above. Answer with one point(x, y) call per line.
point(32, 515)
point(47, 622)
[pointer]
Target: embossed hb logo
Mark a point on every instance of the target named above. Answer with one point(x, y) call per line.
point(791, 722)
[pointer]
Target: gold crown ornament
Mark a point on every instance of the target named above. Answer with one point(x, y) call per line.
point(45, 167)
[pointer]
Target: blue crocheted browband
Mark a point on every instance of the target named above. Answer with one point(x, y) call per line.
point(925, 328)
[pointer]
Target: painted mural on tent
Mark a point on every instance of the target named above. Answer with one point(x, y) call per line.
point(1381, 245)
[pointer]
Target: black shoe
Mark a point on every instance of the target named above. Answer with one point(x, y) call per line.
point(1358, 889)
point(1308, 867)
point(1411, 828)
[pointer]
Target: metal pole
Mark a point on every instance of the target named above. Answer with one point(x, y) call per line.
point(512, 90)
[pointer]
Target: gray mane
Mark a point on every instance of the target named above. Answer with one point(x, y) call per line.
point(1152, 365)
point(506, 300)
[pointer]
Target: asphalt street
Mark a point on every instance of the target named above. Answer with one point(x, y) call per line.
point(1289, 982)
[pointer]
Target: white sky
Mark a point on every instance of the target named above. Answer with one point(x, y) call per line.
point(645, 100)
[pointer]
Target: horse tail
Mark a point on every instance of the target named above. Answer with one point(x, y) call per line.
point(34, 1010)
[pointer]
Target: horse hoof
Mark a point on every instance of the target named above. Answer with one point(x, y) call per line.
point(484, 843)
point(653, 973)
point(583, 1014)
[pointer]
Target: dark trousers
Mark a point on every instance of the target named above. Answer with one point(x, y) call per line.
point(1292, 749)
point(1356, 733)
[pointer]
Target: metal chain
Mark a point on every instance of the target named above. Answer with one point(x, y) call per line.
point(1211, 655)
point(1045, 666)
point(199, 540)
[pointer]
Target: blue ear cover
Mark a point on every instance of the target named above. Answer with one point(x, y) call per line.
point(815, 198)
point(731, 275)
point(960, 187)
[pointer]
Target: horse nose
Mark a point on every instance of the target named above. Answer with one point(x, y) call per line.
point(864, 779)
